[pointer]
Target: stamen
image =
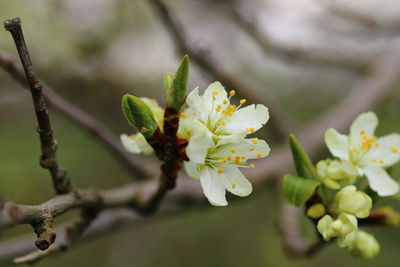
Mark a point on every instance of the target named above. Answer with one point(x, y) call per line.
point(233, 186)
point(229, 158)
point(222, 123)
point(182, 115)
point(220, 170)
point(251, 149)
point(237, 157)
point(259, 155)
point(132, 136)
point(252, 166)
point(179, 134)
point(394, 149)
point(242, 101)
point(362, 132)
point(374, 161)
point(250, 130)
point(232, 149)
point(255, 141)
point(381, 162)
point(190, 132)
point(223, 160)
point(218, 108)
point(243, 157)
point(232, 93)
point(153, 101)
point(215, 93)
point(225, 101)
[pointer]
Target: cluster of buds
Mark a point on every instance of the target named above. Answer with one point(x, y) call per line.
point(211, 133)
point(334, 192)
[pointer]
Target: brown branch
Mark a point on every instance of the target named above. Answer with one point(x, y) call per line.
point(139, 167)
point(48, 159)
point(280, 123)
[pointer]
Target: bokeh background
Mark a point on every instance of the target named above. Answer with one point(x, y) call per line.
point(94, 51)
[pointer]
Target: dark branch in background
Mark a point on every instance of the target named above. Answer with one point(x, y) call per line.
point(367, 93)
point(279, 123)
point(48, 159)
point(139, 167)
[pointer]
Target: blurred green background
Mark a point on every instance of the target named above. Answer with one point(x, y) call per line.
point(93, 52)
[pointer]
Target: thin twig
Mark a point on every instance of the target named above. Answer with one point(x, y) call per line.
point(48, 159)
point(136, 165)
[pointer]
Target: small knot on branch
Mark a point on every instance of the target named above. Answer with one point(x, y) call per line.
point(46, 235)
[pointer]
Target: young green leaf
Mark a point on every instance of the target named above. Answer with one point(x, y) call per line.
point(168, 77)
point(139, 115)
point(302, 162)
point(297, 190)
point(177, 92)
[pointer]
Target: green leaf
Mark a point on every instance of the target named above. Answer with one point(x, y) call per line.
point(168, 77)
point(139, 115)
point(297, 190)
point(302, 162)
point(177, 92)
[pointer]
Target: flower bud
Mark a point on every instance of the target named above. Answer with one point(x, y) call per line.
point(316, 211)
point(336, 174)
point(354, 202)
point(139, 115)
point(344, 228)
point(364, 246)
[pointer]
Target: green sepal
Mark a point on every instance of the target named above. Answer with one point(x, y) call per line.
point(303, 165)
point(297, 190)
point(168, 77)
point(177, 92)
point(139, 115)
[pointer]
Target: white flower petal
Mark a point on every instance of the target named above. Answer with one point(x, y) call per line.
point(235, 181)
point(253, 148)
point(213, 188)
point(217, 91)
point(136, 145)
point(195, 102)
point(380, 181)
point(364, 124)
point(386, 154)
point(337, 144)
point(192, 169)
point(253, 116)
point(200, 143)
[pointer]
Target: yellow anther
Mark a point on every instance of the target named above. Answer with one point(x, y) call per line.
point(223, 160)
point(242, 162)
point(242, 101)
point(362, 132)
point(190, 132)
point(232, 149)
point(225, 101)
point(215, 93)
point(252, 166)
point(220, 170)
point(179, 134)
point(218, 108)
point(381, 162)
point(229, 158)
point(132, 136)
point(259, 155)
point(394, 149)
point(251, 149)
point(232, 93)
point(222, 123)
point(153, 101)
point(233, 186)
point(250, 130)
point(255, 141)
point(243, 157)
point(237, 157)
point(213, 97)
point(374, 160)
point(182, 115)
